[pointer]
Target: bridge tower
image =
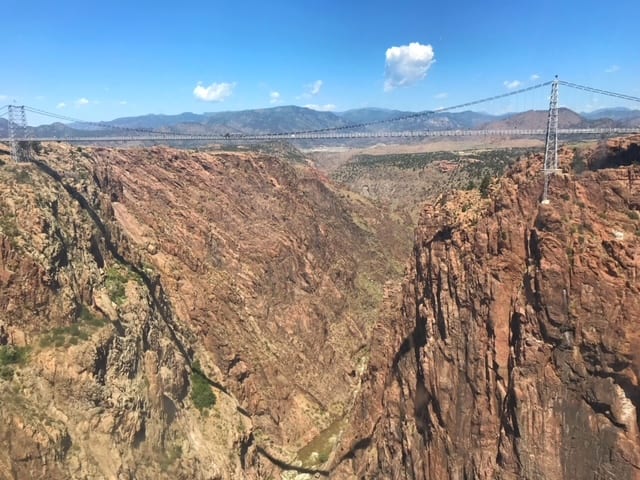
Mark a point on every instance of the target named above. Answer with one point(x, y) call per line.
point(18, 133)
point(551, 142)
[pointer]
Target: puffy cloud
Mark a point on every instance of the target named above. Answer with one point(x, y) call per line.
point(442, 95)
point(329, 107)
point(407, 64)
point(82, 101)
point(216, 92)
point(612, 69)
point(274, 97)
point(61, 105)
point(512, 84)
point(534, 77)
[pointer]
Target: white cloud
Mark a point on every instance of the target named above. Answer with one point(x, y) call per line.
point(274, 97)
point(216, 92)
point(442, 95)
point(122, 102)
point(512, 84)
point(315, 87)
point(329, 107)
point(407, 64)
point(612, 69)
point(82, 101)
point(312, 89)
point(534, 77)
point(61, 105)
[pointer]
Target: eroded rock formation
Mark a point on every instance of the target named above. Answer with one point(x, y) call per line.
point(510, 350)
point(125, 272)
point(517, 353)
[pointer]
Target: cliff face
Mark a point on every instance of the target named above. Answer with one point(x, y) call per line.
point(278, 276)
point(130, 277)
point(95, 367)
point(517, 353)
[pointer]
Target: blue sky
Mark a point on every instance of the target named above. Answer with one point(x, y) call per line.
point(106, 59)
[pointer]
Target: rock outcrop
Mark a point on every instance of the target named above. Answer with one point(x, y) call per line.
point(134, 281)
point(96, 367)
point(517, 351)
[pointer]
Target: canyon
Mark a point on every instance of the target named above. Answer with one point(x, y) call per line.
point(206, 314)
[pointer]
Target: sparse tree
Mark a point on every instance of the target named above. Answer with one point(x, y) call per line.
point(484, 185)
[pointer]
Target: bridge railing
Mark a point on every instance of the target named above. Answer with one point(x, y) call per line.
point(332, 135)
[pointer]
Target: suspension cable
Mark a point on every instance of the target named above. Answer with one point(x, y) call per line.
point(57, 116)
point(419, 114)
point(409, 116)
point(297, 132)
point(599, 91)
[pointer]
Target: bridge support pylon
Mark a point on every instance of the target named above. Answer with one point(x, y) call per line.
point(551, 142)
point(18, 134)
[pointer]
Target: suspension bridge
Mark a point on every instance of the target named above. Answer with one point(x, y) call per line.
point(20, 139)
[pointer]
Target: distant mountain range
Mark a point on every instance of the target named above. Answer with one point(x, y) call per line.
point(292, 119)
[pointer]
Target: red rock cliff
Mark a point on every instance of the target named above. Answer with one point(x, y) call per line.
point(517, 353)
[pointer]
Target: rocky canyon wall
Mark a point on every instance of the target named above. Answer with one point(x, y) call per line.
point(517, 350)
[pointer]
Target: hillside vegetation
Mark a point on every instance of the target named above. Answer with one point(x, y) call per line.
point(406, 180)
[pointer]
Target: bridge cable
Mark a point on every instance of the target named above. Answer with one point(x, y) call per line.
point(419, 114)
point(104, 125)
point(599, 91)
point(297, 132)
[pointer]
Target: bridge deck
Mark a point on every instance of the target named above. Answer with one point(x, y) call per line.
point(331, 135)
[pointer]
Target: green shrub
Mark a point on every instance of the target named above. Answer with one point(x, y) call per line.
point(11, 355)
point(72, 334)
point(6, 372)
point(23, 176)
point(74, 330)
point(115, 282)
point(88, 317)
point(8, 226)
point(201, 393)
point(484, 185)
point(323, 457)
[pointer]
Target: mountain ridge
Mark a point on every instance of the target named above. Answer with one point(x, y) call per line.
point(294, 118)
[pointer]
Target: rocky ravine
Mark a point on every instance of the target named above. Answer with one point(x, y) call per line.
point(517, 352)
point(128, 277)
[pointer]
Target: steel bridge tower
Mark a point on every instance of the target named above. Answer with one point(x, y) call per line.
point(18, 134)
point(551, 143)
